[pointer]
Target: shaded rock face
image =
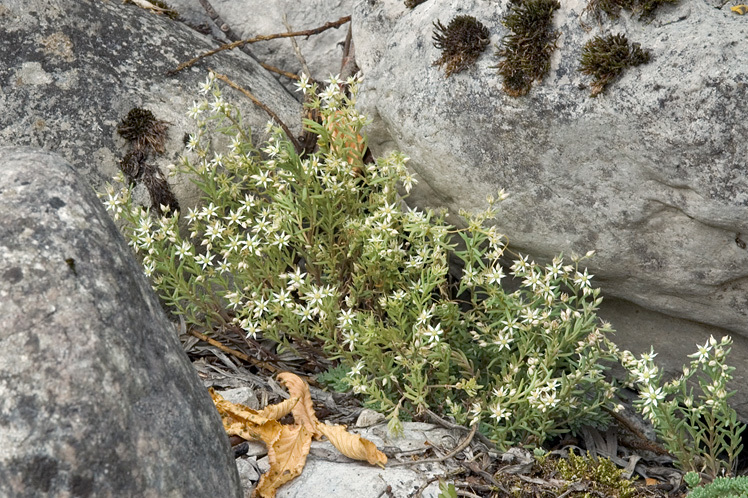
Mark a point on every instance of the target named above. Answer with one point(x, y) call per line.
point(73, 69)
point(97, 396)
point(650, 174)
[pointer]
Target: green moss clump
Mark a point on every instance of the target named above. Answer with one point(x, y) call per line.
point(601, 476)
point(723, 487)
point(527, 50)
point(461, 42)
point(645, 8)
point(143, 130)
point(605, 59)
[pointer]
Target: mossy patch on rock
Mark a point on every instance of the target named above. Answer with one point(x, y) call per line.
point(461, 42)
point(527, 50)
point(605, 58)
point(645, 8)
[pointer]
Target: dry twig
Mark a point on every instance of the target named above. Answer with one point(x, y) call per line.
point(241, 43)
point(464, 444)
point(233, 352)
point(449, 425)
point(296, 49)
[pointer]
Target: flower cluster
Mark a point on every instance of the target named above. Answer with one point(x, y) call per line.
point(702, 431)
point(321, 248)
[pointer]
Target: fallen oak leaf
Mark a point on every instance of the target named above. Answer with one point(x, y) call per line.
point(353, 445)
point(303, 412)
point(288, 446)
point(287, 456)
point(280, 410)
point(241, 412)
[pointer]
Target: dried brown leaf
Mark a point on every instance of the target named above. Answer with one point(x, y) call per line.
point(288, 445)
point(353, 445)
point(303, 412)
point(279, 410)
point(287, 458)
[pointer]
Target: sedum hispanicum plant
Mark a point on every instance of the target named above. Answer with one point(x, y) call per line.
point(320, 249)
point(702, 431)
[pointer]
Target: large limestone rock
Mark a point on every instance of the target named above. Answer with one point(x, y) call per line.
point(97, 397)
point(73, 69)
point(650, 174)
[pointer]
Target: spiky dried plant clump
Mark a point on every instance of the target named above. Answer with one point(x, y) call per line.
point(605, 58)
point(527, 50)
point(411, 4)
point(132, 164)
point(143, 130)
point(145, 134)
point(612, 8)
point(163, 199)
point(461, 42)
point(645, 8)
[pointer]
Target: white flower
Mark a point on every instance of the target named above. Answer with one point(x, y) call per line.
point(519, 266)
point(350, 338)
point(283, 298)
point(433, 334)
point(651, 396)
point(503, 340)
point(498, 412)
point(703, 353)
point(494, 275)
point(224, 266)
point(424, 316)
point(315, 296)
point(184, 250)
point(303, 85)
point(204, 259)
point(470, 276)
point(583, 279)
point(281, 239)
point(356, 369)
point(209, 211)
point(330, 92)
point(194, 111)
point(345, 318)
point(262, 179)
point(260, 306)
point(215, 230)
point(305, 312)
point(296, 279)
point(251, 328)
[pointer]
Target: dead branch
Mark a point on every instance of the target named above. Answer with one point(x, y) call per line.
point(296, 49)
point(273, 69)
point(241, 43)
point(233, 352)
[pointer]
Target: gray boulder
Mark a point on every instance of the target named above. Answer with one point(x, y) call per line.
point(650, 174)
point(73, 69)
point(98, 398)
